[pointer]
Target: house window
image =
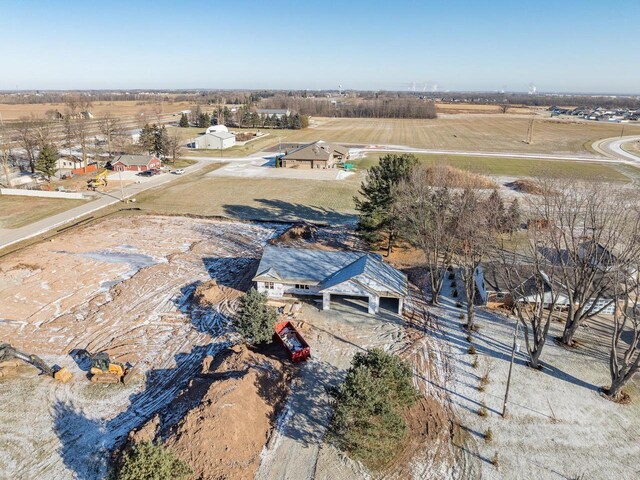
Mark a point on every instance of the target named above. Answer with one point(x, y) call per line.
point(301, 287)
point(269, 285)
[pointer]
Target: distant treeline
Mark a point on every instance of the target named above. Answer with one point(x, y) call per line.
point(539, 100)
point(387, 106)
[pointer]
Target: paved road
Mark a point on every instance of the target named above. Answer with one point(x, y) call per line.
point(612, 148)
point(15, 235)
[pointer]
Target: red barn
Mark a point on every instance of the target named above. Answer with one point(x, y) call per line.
point(135, 163)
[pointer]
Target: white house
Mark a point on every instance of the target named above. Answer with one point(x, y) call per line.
point(214, 140)
point(69, 163)
point(304, 271)
point(217, 128)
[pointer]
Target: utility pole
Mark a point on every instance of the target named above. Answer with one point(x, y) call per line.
point(513, 355)
point(530, 130)
point(121, 187)
point(622, 132)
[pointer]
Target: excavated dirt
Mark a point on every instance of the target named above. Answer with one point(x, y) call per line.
point(229, 412)
point(124, 285)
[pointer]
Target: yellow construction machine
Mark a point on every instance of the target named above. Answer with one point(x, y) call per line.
point(99, 181)
point(103, 370)
point(8, 354)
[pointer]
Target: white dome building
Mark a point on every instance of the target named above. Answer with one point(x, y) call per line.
point(217, 128)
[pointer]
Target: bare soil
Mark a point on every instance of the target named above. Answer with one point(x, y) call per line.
point(229, 412)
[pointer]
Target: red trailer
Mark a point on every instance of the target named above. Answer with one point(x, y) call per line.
point(292, 341)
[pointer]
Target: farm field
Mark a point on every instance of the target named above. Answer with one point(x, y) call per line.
point(519, 167)
point(484, 133)
point(124, 107)
point(632, 147)
point(19, 211)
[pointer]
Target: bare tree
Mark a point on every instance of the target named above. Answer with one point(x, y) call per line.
point(470, 234)
point(174, 146)
point(591, 237)
point(28, 140)
point(535, 291)
point(109, 126)
point(5, 152)
point(424, 216)
point(624, 356)
point(81, 133)
point(504, 107)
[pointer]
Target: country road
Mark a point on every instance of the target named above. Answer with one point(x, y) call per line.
point(612, 148)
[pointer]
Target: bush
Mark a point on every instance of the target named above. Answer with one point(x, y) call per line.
point(494, 460)
point(475, 363)
point(469, 338)
point(471, 350)
point(461, 316)
point(151, 461)
point(488, 435)
point(255, 319)
point(482, 411)
point(458, 304)
point(452, 276)
point(367, 422)
point(455, 293)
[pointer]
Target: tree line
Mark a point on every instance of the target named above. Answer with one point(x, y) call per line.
point(578, 255)
point(381, 106)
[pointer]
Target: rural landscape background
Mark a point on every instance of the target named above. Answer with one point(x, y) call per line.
point(454, 213)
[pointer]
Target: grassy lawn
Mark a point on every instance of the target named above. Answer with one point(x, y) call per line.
point(179, 163)
point(18, 211)
point(632, 147)
point(256, 199)
point(518, 167)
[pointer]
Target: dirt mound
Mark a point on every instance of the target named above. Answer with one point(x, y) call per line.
point(526, 186)
point(299, 231)
point(225, 415)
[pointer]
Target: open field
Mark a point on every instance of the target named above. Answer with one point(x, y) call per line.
point(477, 108)
point(264, 199)
point(632, 147)
point(117, 108)
point(497, 133)
point(19, 211)
point(518, 167)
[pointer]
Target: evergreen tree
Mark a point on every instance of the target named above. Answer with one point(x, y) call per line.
point(296, 123)
point(495, 212)
point(514, 216)
point(255, 319)
point(46, 163)
point(147, 138)
point(378, 194)
point(160, 141)
point(184, 121)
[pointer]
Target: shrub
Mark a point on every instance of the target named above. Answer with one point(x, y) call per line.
point(471, 350)
point(484, 379)
point(255, 319)
point(494, 460)
point(482, 411)
point(151, 461)
point(461, 316)
point(455, 293)
point(475, 363)
point(452, 276)
point(458, 304)
point(488, 435)
point(367, 422)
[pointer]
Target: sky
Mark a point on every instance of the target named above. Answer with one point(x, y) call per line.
point(583, 46)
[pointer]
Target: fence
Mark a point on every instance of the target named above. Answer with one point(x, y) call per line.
point(41, 193)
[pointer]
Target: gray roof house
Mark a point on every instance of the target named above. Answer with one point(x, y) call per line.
point(303, 271)
point(214, 140)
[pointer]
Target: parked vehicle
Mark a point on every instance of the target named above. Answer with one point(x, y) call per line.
point(179, 171)
point(296, 346)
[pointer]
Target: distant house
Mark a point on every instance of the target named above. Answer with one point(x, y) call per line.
point(318, 154)
point(69, 163)
point(134, 163)
point(308, 272)
point(214, 140)
point(278, 112)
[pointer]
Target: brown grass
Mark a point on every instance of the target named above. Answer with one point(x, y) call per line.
point(452, 177)
point(18, 211)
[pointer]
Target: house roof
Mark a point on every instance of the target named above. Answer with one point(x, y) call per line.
point(134, 160)
point(303, 265)
point(319, 150)
point(329, 269)
point(372, 273)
